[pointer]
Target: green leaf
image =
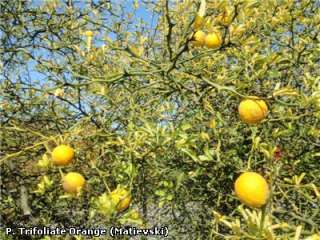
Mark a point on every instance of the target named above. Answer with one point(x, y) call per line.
point(186, 126)
point(169, 197)
point(204, 158)
point(160, 193)
point(191, 154)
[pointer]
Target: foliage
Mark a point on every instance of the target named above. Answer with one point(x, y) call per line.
point(145, 109)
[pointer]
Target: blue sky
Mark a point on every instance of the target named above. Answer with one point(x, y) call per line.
point(140, 13)
point(39, 78)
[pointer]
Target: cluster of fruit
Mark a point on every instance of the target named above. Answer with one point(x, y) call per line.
point(73, 182)
point(250, 187)
point(211, 40)
point(200, 38)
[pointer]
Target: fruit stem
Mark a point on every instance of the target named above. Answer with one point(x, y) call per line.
point(253, 135)
point(61, 172)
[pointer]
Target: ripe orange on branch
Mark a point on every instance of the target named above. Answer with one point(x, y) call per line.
point(252, 189)
point(198, 22)
point(199, 19)
point(252, 110)
point(213, 40)
point(73, 182)
point(121, 198)
point(198, 38)
point(62, 155)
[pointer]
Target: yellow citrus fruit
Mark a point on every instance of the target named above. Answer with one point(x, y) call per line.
point(253, 110)
point(62, 155)
point(73, 182)
point(198, 22)
point(213, 40)
point(121, 198)
point(198, 38)
point(252, 189)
